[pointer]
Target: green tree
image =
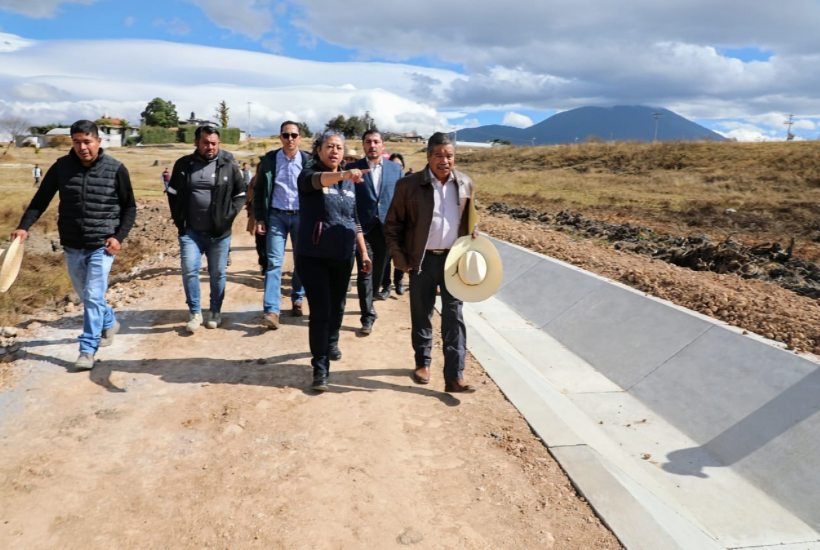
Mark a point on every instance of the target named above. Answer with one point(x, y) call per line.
point(222, 113)
point(304, 130)
point(337, 124)
point(160, 113)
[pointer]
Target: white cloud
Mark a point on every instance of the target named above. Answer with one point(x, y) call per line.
point(253, 18)
point(38, 8)
point(130, 20)
point(567, 53)
point(518, 120)
point(174, 26)
point(745, 131)
point(125, 76)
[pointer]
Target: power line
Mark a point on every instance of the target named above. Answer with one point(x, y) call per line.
point(789, 123)
point(656, 116)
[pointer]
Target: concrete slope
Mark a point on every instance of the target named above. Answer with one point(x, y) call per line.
point(719, 426)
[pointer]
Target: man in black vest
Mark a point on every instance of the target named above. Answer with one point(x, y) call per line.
point(205, 194)
point(373, 196)
point(96, 212)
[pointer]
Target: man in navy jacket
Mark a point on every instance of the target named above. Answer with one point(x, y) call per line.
point(373, 197)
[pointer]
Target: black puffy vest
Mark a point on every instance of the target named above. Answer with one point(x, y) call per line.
point(89, 210)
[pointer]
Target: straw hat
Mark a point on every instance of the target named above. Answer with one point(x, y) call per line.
point(12, 259)
point(472, 270)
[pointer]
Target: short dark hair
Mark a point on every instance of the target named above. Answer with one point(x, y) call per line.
point(288, 123)
point(370, 133)
point(85, 127)
point(398, 156)
point(205, 129)
point(439, 138)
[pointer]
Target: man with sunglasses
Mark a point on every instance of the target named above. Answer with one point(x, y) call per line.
point(276, 208)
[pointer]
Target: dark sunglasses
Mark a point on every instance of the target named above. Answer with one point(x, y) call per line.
point(291, 136)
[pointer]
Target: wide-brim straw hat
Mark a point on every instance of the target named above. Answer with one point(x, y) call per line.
point(472, 270)
point(12, 260)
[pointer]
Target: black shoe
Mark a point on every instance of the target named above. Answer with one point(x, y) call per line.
point(383, 295)
point(335, 354)
point(367, 328)
point(400, 288)
point(319, 383)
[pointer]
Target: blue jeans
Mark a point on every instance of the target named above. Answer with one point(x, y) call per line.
point(88, 270)
point(192, 246)
point(278, 227)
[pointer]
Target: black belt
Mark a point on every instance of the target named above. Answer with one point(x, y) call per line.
point(286, 211)
point(438, 251)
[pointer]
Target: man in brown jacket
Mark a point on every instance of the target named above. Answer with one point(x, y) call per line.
point(429, 212)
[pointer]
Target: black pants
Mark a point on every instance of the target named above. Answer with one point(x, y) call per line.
point(262, 250)
point(377, 250)
point(453, 331)
point(325, 281)
point(398, 274)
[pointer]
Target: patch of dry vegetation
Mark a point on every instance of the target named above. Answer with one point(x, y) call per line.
point(676, 187)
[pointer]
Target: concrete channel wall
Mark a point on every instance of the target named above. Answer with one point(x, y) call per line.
point(749, 404)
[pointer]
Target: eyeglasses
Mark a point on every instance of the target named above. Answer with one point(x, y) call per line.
point(286, 135)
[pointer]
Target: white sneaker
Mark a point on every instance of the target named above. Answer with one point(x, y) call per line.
point(194, 322)
point(84, 362)
point(214, 320)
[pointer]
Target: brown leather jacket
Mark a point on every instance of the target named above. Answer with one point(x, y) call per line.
point(411, 213)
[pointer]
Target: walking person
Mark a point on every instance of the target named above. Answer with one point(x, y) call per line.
point(246, 173)
point(165, 178)
point(96, 212)
point(329, 230)
point(36, 173)
point(276, 209)
point(430, 210)
point(205, 194)
point(398, 274)
point(373, 196)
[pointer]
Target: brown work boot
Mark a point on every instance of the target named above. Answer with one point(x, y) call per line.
point(421, 375)
point(458, 386)
point(297, 309)
point(271, 320)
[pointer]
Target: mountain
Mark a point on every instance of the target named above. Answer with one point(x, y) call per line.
point(608, 123)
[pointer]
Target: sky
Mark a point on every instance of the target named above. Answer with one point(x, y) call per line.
point(736, 66)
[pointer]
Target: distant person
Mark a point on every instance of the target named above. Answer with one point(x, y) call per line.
point(373, 196)
point(260, 240)
point(276, 203)
point(429, 212)
point(329, 230)
point(205, 194)
point(96, 212)
point(409, 171)
point(36, 173)
point(166, 179)
point(246, 173)
point(398, 274)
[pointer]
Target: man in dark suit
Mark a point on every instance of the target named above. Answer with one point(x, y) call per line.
point(373, 198)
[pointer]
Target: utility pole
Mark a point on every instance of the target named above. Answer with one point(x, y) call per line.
point(533, 142)
point(656, 116)
point(789, 123)
point(249, 119)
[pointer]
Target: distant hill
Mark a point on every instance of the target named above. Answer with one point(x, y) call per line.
point(608, 123)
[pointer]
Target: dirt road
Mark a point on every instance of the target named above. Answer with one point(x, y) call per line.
point(214, 440)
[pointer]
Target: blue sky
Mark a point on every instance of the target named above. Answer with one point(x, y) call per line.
point(738, 71)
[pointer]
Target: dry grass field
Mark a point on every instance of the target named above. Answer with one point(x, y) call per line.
point(675, 187)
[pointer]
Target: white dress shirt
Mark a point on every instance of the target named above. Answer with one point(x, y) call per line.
point(446, 214)
point(376, 174)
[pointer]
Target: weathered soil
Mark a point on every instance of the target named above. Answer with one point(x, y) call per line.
point(214, 440)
